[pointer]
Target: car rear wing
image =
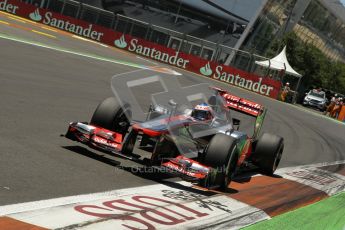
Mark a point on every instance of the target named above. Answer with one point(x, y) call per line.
point(240, 104)
point(244, 106)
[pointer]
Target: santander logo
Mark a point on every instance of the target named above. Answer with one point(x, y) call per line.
point(206, 70)
point(35, 16)
point(121, 42)
point(139, 47)
point(53, 20)
point(236, 79)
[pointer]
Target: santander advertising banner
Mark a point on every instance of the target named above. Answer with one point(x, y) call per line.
point(226, 74)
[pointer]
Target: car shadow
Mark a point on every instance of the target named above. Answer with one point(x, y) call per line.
point(146, 172)
point(87, 153)
point(142, 169)
point(247, 177)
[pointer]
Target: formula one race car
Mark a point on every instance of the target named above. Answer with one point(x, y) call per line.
point(201, 145)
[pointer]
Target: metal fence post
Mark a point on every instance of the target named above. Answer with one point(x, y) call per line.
point(117, 21)
point(147, 31)
point(214, 56)
point(201, 47)
point(182, 41)
point(252, 63)
point(47, 4)
point(112, 21)
point(42, 3)
point(81, 13)
point(97, 17)
point(131, 28)
point(248, 65)
point(77, 15)
point(63, 6)
point(151, 33)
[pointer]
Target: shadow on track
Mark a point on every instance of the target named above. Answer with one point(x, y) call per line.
point(144, 171)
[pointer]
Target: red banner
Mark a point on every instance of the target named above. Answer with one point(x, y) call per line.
point(227, 74)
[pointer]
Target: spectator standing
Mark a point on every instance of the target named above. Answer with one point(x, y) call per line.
point(341, 116)
point(285, 91)
point(331, 105)
point(337, 107)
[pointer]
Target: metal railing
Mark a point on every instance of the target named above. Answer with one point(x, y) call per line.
point(179, 41)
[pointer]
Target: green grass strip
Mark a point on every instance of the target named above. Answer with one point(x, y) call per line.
point(323, 215)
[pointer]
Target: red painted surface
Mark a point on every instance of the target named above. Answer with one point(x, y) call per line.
point(146, 206)
point(227, 74)
point(273, 195)
point(7, 223)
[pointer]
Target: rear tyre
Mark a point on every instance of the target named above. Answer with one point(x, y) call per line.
point(222, 155)
point(110, 115)
point(268, 153)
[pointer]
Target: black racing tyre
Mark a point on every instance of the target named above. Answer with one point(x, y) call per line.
point(222, 155)
point(129, 143)
point(268, 153)
point(110, 115)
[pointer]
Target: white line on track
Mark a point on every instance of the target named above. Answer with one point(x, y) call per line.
point(74, 53)
point(88, 40)
point(145, 59)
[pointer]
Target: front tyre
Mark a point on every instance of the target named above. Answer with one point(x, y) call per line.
point(222, 155)
point(110, 115)
point(268, 153)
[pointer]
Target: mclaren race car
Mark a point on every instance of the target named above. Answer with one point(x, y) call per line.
point(202, 145)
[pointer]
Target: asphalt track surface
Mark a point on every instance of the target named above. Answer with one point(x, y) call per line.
point(44, 89)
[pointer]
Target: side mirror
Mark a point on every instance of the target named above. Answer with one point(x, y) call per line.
point(236, 122)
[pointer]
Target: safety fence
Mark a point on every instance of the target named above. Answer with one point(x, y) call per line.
point(180, 42)
point(152, 42)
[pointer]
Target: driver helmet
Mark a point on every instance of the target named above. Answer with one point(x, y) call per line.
point(202, 112)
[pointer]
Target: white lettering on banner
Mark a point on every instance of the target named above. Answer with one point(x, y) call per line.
point(237, 80)
point(157, 55)
point(70, 27)
point(8, 7)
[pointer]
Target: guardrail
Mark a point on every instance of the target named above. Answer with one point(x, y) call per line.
point(172, 39)
point(162, 44)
